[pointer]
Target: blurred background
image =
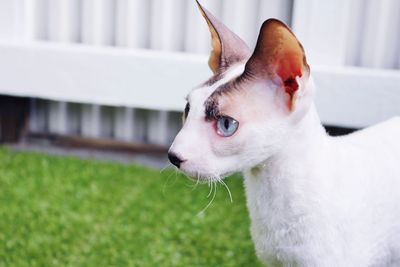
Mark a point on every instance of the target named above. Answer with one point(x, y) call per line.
point(107, 79)
point(113, 73)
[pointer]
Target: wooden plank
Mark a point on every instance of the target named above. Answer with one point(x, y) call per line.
point(98, 143)
point(116, 77)
point(356, 97)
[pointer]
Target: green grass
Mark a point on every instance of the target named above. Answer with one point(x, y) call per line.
point(62, 211)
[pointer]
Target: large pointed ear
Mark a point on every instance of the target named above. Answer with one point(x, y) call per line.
point(280, 57)
point(227, 47)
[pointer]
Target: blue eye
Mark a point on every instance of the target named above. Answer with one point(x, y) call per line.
point(226, 126)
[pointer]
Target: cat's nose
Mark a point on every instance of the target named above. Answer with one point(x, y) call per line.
point(174, 159)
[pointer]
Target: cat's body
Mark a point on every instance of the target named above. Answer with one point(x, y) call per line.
point(336, 203)
point(314, 200)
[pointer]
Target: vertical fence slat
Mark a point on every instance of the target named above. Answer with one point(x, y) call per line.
point(321, 27)
point(167, 24)
point(279, 9)
point(241, 17)
point(141, 118)
point(167, 31)
point(63, 26)
point(157, 128)
point(19, 18)
point(124, 123)
point(90, 120)
point(107, 122)
point(380, 39)
point(30, 19)
point(174, 125)
point(58, 117)
point(74, 118)
point(97, 29)
point(64, 20)
point(197, 35)
point(7, 19)
point(98, 22)
point(37, 11)
point(354, 34)
point(132, 30)
point(34, 117)
point(132, 23)
point(38, 116)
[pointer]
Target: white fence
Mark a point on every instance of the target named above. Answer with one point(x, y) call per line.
point(120, 68)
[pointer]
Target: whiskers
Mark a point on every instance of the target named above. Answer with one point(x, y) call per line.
point(213, 184)
point(166, 167)
point(213, 187)
point(197, 182)
point(212, 181)
point(227, 189)
point(166, 183)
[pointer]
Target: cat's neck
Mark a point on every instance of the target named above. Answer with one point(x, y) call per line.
point(303, 145)
point(280, 191)
point(289, 169)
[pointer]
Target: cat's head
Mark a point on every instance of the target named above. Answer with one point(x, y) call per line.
point(244, 113)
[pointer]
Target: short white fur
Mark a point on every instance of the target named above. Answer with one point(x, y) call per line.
point(314, 200)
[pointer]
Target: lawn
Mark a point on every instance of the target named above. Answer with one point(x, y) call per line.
point(63, 211)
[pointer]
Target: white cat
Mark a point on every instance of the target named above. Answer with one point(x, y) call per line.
point(314, 200)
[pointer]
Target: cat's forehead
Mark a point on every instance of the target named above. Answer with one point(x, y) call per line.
point(201, 95)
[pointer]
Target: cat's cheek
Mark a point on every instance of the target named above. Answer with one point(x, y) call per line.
point(227, 146)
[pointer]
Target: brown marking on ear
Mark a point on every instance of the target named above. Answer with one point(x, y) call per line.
point(278, 53)
point(216, 45)
point(227, 47)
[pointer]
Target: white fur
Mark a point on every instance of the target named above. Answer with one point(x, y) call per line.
point(326, 201)
point(313, 200)
point(192, 136)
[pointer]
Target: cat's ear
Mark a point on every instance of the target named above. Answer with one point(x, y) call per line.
point(227, 47)
point(280, 57)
